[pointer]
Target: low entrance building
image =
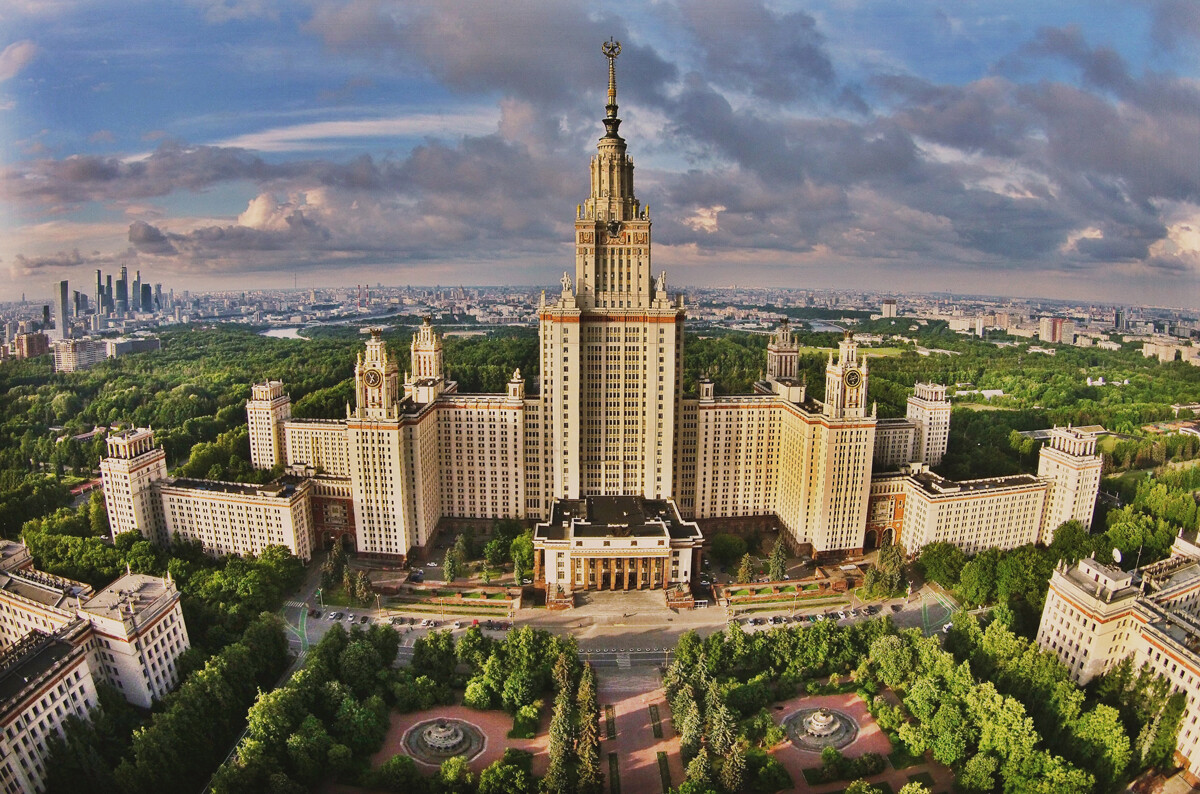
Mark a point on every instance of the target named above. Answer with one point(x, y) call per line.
point(615, 543)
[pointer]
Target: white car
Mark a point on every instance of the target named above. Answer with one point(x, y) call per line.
point(947, 627)
point(349, 618)
point(431, 564)
point(458, 624)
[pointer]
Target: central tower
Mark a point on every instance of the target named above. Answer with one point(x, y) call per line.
point(611, 343)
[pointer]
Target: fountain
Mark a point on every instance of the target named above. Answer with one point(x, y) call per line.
point(822, 723)
point(816, 729)
point(433, 741)
point(443, 736)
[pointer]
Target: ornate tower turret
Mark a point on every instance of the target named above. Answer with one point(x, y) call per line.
point(376, 381)
point(783, 353)
point(846, 382)
point(612, 229)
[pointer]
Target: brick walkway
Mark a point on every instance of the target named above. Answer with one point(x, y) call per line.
point(630, 693)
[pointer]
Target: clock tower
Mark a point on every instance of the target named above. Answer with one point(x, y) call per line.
point(846, 382)
point(376, 381)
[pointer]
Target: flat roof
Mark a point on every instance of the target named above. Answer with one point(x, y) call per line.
point(283, 488)
point(616, 516)
point(44, 588)
point(936, 485)
point(138, 591)
point(27, 660)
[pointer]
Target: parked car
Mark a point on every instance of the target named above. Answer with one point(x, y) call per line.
point(349, 618)
point(397, 621)
point(335, 616)
point(458, 624)
point(364, 619)
point(425, 622)
point(897, 607)
point(947, 627)
point(431, 564)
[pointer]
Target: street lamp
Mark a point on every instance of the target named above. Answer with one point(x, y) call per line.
point(320, 600)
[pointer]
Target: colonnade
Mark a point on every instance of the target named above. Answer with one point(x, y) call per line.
point(624, 573)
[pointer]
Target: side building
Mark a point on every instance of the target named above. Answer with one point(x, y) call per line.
point(1097, 615)
point(916, 506)
point(59, 639)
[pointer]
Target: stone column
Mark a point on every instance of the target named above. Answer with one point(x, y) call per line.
point(640, 563)
point(625, 570)
point(537, 564)
point(652, 567)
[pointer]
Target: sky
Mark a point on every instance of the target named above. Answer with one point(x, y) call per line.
point(1002, 147)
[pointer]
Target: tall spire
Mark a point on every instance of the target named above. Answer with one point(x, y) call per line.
point(611, 50)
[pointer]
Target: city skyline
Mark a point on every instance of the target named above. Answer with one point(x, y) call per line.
point(243, 145)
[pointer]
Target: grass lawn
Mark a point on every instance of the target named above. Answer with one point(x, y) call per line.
point(900, 757)
point(881, 785)
point(924, 778)
point(655, 722)
point(773, 604)
point(664, 771)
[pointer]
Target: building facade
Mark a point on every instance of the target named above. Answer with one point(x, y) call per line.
point(608, 419)
point(59, 639)
point(1096, 615)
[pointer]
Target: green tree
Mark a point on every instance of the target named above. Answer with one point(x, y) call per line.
point(977, 583)
point(727, 549)
point(451, 565)
point(359, 666)
point(733, 769)
point(454, 776)
point(434, 657)
point(521, 551)
point(942, 563)
point(307, 750)
point(978, 774)
point(561, 743)
point(699, 770)
point(745, 571)
point(777, 562)
point(587, 743)
point(502, 778)
point(400, 774)
point(496, 553)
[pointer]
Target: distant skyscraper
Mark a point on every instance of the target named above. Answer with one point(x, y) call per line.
point(64, 309)
point(99, 292)
point(889, 308)
point(108, 295)
point(135, 297)
point(158, 304)
point(122, 307)
point(147, 300)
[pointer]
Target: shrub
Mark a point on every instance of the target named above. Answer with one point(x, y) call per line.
point(764, 774)
point(762, 731)
point(525, 723)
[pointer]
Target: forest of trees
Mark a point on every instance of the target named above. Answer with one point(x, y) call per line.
point(1000, 712)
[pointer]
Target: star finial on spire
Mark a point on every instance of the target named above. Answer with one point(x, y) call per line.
point(611, 49)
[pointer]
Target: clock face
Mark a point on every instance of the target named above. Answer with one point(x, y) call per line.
point(373, 378)
point(853, 378)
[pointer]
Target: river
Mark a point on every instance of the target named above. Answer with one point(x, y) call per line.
point(283, 333)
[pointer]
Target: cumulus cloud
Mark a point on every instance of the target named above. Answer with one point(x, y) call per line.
point(15, 57)
point(1094, 169)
